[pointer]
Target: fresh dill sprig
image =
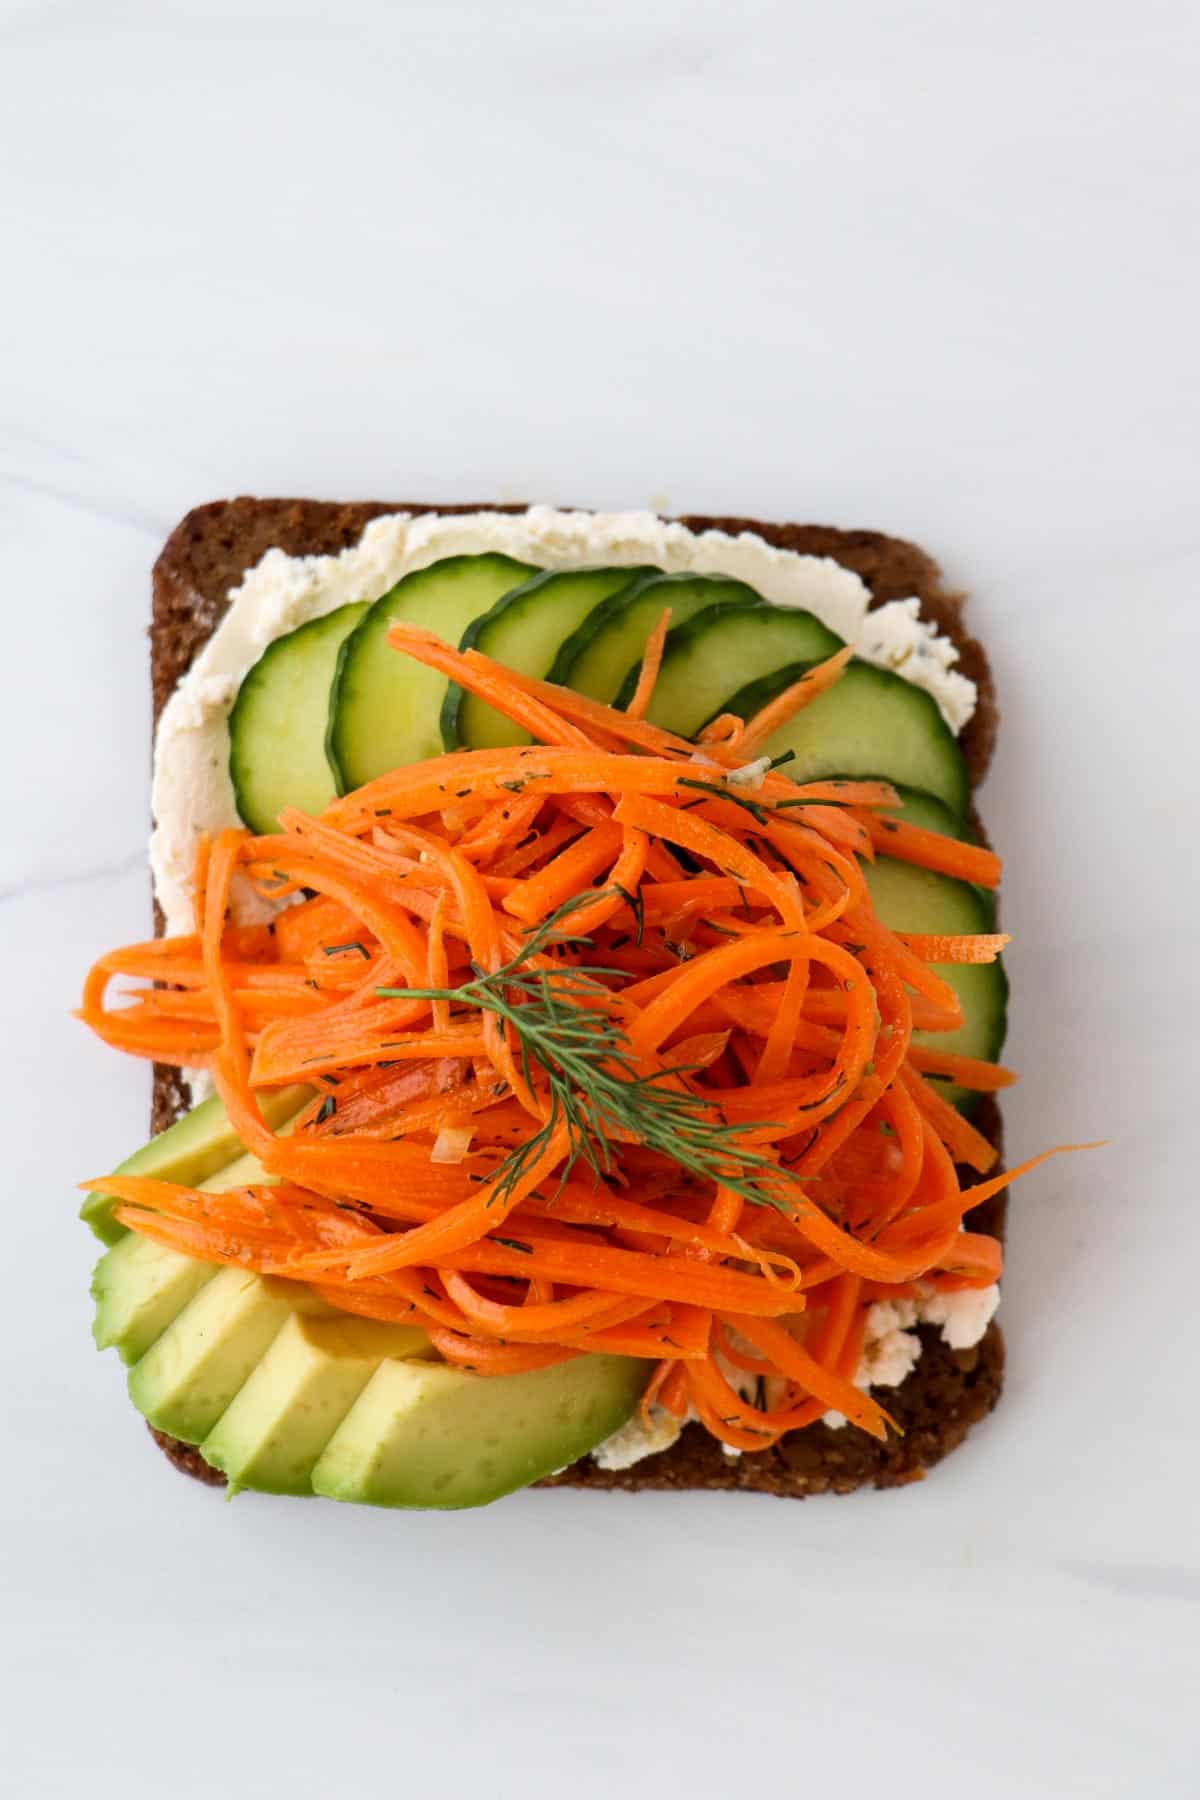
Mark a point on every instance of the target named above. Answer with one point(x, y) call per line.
point(562, 1021)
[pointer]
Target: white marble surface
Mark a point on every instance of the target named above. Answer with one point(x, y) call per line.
point(931, 268)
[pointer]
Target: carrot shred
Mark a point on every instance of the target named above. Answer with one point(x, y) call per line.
point(651, 663)
point(966, 1071)
point(815, 682)
point(730, 943)
point(930, 850)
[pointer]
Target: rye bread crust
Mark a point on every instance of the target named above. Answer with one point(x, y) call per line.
point(206, 556)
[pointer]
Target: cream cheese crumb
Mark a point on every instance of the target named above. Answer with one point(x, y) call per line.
point(749, 774)
point(963, 1317)
point(891, 1347)
point(638, 1439)
point(890, 1353)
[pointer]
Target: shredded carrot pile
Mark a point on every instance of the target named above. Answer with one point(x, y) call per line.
point(730, 947)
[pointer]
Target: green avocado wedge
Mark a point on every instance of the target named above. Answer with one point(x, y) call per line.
point(263, 1374)
point(277, 1425)
point(266, 1377)
point(196, 1147)
point(140, 1287)
point(190, 1374)
point(426, 1435)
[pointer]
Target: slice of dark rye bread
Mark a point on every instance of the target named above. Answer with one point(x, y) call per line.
point(206, 556)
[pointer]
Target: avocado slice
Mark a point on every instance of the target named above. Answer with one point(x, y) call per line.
point(190, 1374)
point(287, 1394)
point(276, 1427)
point(139, 1286)
point(200, 1144)
point(426, 1435)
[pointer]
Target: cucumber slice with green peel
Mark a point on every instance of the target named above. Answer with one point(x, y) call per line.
point(597, 657)
point(384, 708)
point(524, 630)
point(277, 727)
point(871, 723)
point(751, 637)
point(921, 809)
point(911, 899)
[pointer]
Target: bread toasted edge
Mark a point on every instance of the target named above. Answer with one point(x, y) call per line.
point(207, 555)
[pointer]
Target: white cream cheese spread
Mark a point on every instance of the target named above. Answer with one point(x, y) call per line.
point(192, 791)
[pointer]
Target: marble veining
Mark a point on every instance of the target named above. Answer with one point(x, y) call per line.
point(928, 269)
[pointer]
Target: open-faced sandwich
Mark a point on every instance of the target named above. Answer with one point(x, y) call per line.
point(575, 1009)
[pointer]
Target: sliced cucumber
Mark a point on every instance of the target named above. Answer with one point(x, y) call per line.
point(384, 708)
point(596, 658)
point(921, 809)
point(870, 723)
point(750, 636)
point(912, 899)
point(277, 727)
point(524, 631)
